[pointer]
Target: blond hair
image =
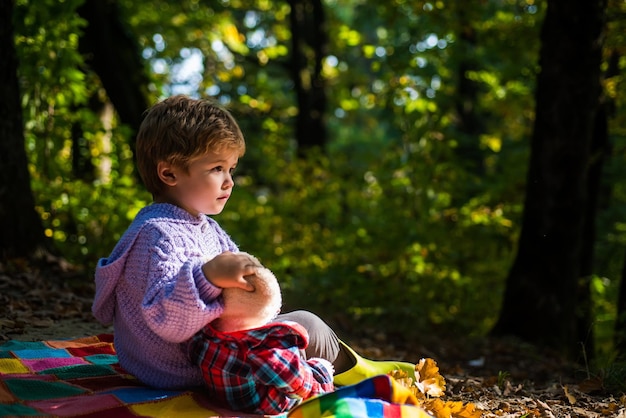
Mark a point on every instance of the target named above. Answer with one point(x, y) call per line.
point(179, 129)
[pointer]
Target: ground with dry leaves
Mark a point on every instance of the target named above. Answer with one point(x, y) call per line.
point(502, 378)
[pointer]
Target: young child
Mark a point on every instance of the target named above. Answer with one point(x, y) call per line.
point(251, 364)
point(163, 281)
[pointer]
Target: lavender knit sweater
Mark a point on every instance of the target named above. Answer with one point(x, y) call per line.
point(153, 290)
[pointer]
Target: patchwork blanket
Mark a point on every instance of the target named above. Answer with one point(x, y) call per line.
point(82, 378)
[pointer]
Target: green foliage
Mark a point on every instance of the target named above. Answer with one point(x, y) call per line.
point(373, 243)
point(51, 81)
point(503, 377)
point(86, 222)
point(407, 221)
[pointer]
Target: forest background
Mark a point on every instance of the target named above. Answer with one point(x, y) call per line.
point(390, 145)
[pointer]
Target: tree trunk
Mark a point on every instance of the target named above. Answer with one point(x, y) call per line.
point(620, 321)
point(600, 150)
point(307, 52)
point(599, 196)
point(469, 121)
point(21, 230)
point(619, 338)
point(541, 291)
point(113, 53)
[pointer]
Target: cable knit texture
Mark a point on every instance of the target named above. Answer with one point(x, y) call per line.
point(153, 290)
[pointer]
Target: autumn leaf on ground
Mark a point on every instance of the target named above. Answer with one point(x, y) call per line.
point(591, 385)
point(571, 398)
point(429, 381)
point(429, 387)
point(451, 409)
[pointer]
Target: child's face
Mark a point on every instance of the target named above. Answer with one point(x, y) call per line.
point(207, 185)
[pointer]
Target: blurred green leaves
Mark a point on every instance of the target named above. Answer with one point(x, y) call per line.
point(393, 223)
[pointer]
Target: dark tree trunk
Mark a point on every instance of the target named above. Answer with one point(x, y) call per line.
point(620, 321)
point(307, 53)
point(619, 338)
point(598, 198)
point(600, 149)
point(469, 123)
point(112, 53)
point(21, 230)
point(541, 291)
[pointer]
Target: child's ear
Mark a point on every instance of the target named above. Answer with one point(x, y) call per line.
point(166, 173)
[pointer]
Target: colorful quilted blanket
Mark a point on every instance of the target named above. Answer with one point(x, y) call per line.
point(81, 378)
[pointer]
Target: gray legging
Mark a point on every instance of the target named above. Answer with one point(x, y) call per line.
point(323, 342)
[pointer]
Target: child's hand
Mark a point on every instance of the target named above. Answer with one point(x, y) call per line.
point(229, 270)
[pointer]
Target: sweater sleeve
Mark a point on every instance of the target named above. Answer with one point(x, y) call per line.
point(103, 307)
point(178, 300)
point(107, 276)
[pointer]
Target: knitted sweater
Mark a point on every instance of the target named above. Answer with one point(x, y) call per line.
point(153, 290)
point(260, 370)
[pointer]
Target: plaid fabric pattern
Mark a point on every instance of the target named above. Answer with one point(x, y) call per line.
point(261, 370)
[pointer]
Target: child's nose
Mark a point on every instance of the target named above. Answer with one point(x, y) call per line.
point(228, 181)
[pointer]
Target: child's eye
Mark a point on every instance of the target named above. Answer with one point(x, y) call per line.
point(218, 168)
point(232, 170)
